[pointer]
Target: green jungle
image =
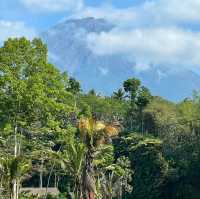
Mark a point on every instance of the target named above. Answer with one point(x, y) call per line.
point(60, 142)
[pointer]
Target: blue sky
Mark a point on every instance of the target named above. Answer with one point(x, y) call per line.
point(18, 10)
point(148, 32)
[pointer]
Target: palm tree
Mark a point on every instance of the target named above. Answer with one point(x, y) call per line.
point(119, 95)
point(91, 133)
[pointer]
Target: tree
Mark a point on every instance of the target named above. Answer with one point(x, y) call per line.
point(32, 93)
point(115, 181)
point(139, 97)
point(119, 95)
point(13, 169)
point(92, 92)
point(148, 163)
point(131, 86)
point(74, 86)
point(103, 108)
point(91, 132)
point(73, 157)
point(143, 99)
point(160, 118)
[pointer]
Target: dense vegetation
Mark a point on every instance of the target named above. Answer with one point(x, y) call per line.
point(128, 145)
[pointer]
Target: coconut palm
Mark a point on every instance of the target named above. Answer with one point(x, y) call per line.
point(119, 95)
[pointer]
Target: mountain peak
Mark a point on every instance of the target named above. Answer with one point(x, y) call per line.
point(90, 24)
point(68, 49)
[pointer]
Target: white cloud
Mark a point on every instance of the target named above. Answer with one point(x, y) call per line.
point(15, 29)
point(141, 65)
point(148, 34)
point(148, 13)
point(177, 10)
point(53, 5)
point(156, 32)
point(121, 17)
point(153, 11)
point(150, 46)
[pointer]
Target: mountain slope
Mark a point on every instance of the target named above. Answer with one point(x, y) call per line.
point(69, 51)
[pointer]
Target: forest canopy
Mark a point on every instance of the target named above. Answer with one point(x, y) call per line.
point(86, 145)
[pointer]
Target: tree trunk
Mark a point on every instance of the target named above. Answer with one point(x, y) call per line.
point(142, 123)
point(41, 173)
point(14, 194)
point(51, 171)
point(89, 186)
point(17, 192)
point(58, 180)
point(55, 180)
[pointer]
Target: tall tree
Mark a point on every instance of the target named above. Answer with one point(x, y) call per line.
point(119, 95)
point(32, 94)
point(131, 86)
point(143, 99)
point(74, 86)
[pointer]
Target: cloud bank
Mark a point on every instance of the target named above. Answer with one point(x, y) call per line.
point(154, 33)
point(15, 29)
point(121, 17)
point(150, 46)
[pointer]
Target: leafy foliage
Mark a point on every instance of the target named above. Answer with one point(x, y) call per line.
point(53, 134)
